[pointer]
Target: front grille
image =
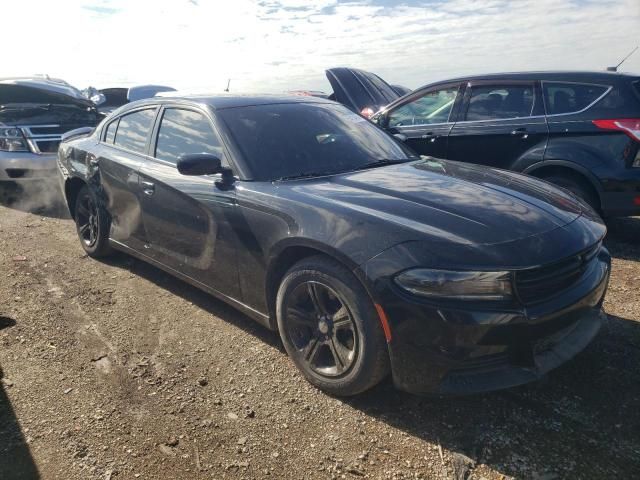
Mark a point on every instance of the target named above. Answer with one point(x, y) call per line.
point(16, 172)
point(43, 138)
point(48, 146)
point(543, 283)
point(37, 130)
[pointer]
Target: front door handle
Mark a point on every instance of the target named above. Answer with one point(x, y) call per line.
point(148, 188)
point(431, 136)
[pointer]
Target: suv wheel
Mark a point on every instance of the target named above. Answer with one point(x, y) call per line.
point(330, 327)
point(577, 187)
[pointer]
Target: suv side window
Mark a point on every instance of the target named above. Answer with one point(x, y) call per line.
point(433, 107)
point(110, 132)
point(133, 129)
point(186, 131)
point(570, 97)
point(499, 102)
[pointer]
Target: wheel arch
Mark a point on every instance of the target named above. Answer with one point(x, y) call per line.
point(287, 254)
point(562, 167)
point(71, 188)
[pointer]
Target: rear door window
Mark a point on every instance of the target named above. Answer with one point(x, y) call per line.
point(433, 107)
point(133, 130)
point(562, 98)
point(499, 102)
point(183, 132)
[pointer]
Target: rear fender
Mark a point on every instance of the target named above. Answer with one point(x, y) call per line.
point(579, 169)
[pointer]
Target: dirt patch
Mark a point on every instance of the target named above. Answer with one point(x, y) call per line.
point(117, 370)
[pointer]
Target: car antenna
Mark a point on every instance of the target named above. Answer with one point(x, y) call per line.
point(615, 69)
point(228, 83)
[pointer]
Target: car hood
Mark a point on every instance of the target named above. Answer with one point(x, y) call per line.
point(357, 89)
point(44, 102)
point(451, 201)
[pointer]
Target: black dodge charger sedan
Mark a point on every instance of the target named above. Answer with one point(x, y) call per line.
point(366, 259)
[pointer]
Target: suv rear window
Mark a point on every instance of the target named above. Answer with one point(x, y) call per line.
point(562, 98)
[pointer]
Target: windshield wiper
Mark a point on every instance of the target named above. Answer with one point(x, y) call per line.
point(381, 163)
point(377, 163)
point(306, 175)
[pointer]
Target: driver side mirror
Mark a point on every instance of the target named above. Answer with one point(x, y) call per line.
point(200, 164)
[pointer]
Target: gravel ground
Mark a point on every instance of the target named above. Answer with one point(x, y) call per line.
point(115, 370)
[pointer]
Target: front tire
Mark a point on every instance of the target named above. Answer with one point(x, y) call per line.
point(330, 328)
point(92, 223)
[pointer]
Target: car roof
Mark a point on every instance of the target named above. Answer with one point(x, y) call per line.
point(557, 75)
point(222, 101)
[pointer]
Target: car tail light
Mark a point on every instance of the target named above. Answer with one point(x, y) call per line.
point(367, 112)
point(630, 126)
point(12, 140)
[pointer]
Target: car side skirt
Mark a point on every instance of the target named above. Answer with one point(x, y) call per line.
point(259, 317)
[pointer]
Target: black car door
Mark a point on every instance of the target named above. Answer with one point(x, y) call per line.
point(501, 124)
point(424, 120)
point(121, 151)
point(187, 218)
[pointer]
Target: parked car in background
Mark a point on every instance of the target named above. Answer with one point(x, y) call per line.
point(362, 92)
point(316, 223)
point(580, 131)
point(401, 90)
point(34, 113)
point(115, 97)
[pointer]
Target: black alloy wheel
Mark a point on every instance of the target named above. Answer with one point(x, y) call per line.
point(330, 327)
point(92, 223)
point(87, 219)
point(322, 329)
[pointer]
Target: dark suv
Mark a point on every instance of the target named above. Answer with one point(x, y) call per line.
point(578, 130)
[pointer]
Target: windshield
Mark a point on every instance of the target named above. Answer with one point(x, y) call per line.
point(292, 140)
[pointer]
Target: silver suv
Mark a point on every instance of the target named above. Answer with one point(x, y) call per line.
point(34, 113)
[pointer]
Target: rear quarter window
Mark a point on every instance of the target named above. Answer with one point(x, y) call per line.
point(110, 132)
point(133, 130)
point(560, 98)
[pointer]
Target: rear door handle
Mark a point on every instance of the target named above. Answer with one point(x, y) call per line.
point(148, 188)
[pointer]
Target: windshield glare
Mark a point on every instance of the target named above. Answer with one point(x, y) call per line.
point(308, 139)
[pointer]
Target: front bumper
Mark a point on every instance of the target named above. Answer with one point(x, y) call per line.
point(457, 349)
point(26, 166)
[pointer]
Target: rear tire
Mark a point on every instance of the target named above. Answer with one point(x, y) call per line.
point(92, 223)
point(578, 188)
point(330, 328)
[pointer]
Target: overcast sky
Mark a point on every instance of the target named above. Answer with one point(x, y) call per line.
point(278, 45)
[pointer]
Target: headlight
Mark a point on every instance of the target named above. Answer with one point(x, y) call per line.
point(460, 285)
point(12, 140)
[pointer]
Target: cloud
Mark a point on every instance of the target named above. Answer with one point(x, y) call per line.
point(281, 45)
point(100, 10)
